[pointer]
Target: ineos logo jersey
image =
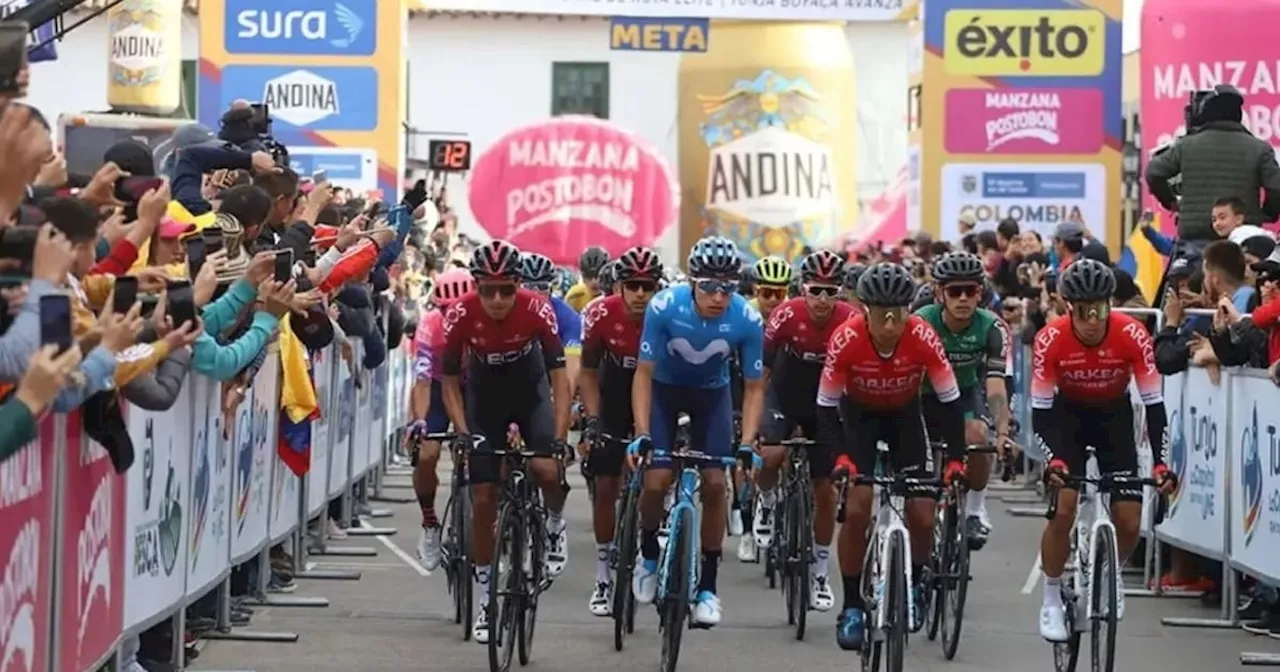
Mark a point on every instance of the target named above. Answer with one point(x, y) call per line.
point(467, 327)
point(793, 330)
point(609, 333)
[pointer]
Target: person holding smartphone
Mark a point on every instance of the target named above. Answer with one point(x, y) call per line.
point(47, 375)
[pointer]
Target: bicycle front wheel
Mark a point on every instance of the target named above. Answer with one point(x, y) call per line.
point(934, 595)
point(533, 573)
point(954, 587)
point(678, 578)
point(624, 603)
point(1104, 602)
point(799, 548)
point(506, 583)
point(897, 592)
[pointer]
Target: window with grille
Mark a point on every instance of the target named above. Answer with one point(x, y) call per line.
point(580, 88)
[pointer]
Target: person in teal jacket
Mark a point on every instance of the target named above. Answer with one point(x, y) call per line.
point(223, 362)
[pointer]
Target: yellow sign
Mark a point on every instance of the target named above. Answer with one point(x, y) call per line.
point(1025, 42)
point(645, 34)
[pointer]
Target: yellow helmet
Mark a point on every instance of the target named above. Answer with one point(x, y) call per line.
point(772, 270)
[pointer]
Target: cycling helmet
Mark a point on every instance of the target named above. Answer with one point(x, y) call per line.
point(793, 288)
point(886, 284)
point(592, 261)
point(638, 263)
point(851, 274)
point(924, 297)
point(714, 256)
point(772, 270)
point(537, 268)
point(608, 278)
point(823, 266)
point(451, 286)
point(494, 259)
point(957, 267)
point(1087, 280)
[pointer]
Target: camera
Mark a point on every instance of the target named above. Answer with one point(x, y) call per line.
point(249, 128)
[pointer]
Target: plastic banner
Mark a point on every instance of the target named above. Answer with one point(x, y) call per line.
point(1255, 494)
point(379, 381)
point(398, 395)
point(156, 518)
point(345, 411)
point(249, 476)
point(26, 549)
point(208, 540)
point(321, 432)
point(1198, 454)
point(282, 511)
point(363, 421)
point(91, 565)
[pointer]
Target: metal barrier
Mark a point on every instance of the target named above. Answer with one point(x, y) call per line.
point(92, 557)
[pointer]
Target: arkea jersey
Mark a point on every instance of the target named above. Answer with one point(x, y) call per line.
point(569, 326)
point(1063, 366)
point(689, 351)
point(979, 352)
point(885, 382)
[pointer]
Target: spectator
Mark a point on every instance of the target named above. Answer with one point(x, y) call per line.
point(47, 374)
point(1229, 223)
point(1254, 340)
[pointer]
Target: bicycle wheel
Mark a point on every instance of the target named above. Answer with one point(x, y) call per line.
point(774, 555)
point(954, 589)
point(460, 561)
point(624, 603)
point(1104, 601)
point(506, 582)
point(678, 577)
point(533, 573)
point(934, 595)
point(799, 549)
point(1067, 654)
point(897, 592)
point(447, 555)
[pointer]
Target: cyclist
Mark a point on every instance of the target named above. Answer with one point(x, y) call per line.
point(501, 327)
point(772, 275)
point(924, 296)
point(611, 347)
point(592, 261)
point(977, 344)
point(427, 404)
point(795, 346)
point(871, 379)
point(849, 285)
point(1081, 366)
point(537, 272)
point(689, 333)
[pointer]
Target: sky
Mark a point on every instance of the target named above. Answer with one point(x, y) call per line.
point(1132, 19)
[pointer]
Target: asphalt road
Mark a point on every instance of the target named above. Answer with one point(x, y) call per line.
point(394, 618)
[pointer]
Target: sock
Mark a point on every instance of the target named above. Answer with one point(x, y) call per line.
point(428, 507)
point(975, 501)
point(818, 563)
point(649, 544)
point(604, 572)
point(482, 584)
point(852, 592)
point(555, 522)
point(1053, 591)
point(710, 568)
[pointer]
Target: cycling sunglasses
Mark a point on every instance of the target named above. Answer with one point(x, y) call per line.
point(959, 291)
point(714, 285)
point(542, 287)
point(504, 290)
point(772, 293)
point(1091, 310)
point(640, 286)
point(822, 291)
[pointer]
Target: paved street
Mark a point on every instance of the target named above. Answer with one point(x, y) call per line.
point(396, 619)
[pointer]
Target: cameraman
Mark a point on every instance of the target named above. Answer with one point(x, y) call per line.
point(1217, 158)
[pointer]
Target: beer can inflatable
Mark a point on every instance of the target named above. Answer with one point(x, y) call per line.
point(767, 121)
point(144, 56)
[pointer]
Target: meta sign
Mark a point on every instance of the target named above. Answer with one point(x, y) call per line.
point(652, 34)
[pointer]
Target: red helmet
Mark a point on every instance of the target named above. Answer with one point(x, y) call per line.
point(822, 266)
point(451, 286)
point(639, 262)
point(496, 259)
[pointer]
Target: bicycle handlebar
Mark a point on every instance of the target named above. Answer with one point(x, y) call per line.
point(694, 456)
point(1106, 483)
point(902, 481)
point(977, 448)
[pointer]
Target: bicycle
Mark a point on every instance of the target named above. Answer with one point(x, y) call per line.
point(792, 549)
point(626, 536)
point(886, 569)
point(454, 549)
point(678, 565)
point(947, 585)
point(1096, 572)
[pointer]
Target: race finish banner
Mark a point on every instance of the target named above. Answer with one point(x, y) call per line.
point(759, 10)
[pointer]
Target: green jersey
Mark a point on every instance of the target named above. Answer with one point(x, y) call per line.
point(979, 352)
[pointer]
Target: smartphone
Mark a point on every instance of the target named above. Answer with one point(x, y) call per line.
point(132, 189)
point(55, 321)
point(197, 252)
point(319, 176)
point(284, 266)
point(13, 54)
point(182, 303)
point(213, 241)
point(126, 294)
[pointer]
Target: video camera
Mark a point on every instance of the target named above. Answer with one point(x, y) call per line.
point(249, 128)
point(1198, 102)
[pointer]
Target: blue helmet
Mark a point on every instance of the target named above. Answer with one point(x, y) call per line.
point(715, 256)
point(536, 268)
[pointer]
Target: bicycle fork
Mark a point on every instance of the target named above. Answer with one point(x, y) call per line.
point(687, 488)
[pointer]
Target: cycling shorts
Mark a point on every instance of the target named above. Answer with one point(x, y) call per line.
point(615, 420)
point(779, 425)
point(710, 414)
point(489, 414)
point(902, 430)
point(973, 400)
point(437, 418)
point(1109, 429)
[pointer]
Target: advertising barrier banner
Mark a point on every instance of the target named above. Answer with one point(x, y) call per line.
point(1143, 442)
point(345, 411)
point(322, 430)
point(208, 537)
point(363, 420)
point(26, 549)
point(92, 538)
point(282, 510)
point(1255, 491)
point(379, 380)
point(1198, 454)
point(249, 481)
point(155, 515)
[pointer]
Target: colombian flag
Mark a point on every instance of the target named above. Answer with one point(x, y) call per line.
point(298, 400)
point(1142, 261)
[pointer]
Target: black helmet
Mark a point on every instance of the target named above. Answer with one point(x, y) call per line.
point(851, 274)
point(495, 259)
point(715, 256)
point(1087, 280)
point(537, 268)
point(608, 277)
point(823, 266)
point(592, 261)
point(957, 267)
point(886, 284)
point(924, 297)
point(638, 262)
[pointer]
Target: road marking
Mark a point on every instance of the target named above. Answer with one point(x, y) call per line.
point(1033, 577)
point(407, 559)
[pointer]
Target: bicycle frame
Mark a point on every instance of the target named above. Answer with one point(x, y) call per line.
point(889, 523)
point(1093, 517)
point(687, 486)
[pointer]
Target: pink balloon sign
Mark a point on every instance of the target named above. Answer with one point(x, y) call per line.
point(561, 185)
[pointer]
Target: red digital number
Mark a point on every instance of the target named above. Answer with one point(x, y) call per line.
point(452, 155)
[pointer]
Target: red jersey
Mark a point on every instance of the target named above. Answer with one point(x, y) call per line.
point(855, 369)
point(610, 334)
point(793, 330)
point(531, 321)
point(1063, 366)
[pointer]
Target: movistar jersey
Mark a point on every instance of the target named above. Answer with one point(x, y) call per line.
point(569, 326)
point(979, 352)
point(689, 351)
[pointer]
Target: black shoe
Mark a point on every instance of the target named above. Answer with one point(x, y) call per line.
point(1252, 610)
point(1260, 626)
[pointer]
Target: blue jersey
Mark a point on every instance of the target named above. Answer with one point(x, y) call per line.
point(569, 324)
point(689, 351)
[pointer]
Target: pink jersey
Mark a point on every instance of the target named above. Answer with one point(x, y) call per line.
point(428, 347)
